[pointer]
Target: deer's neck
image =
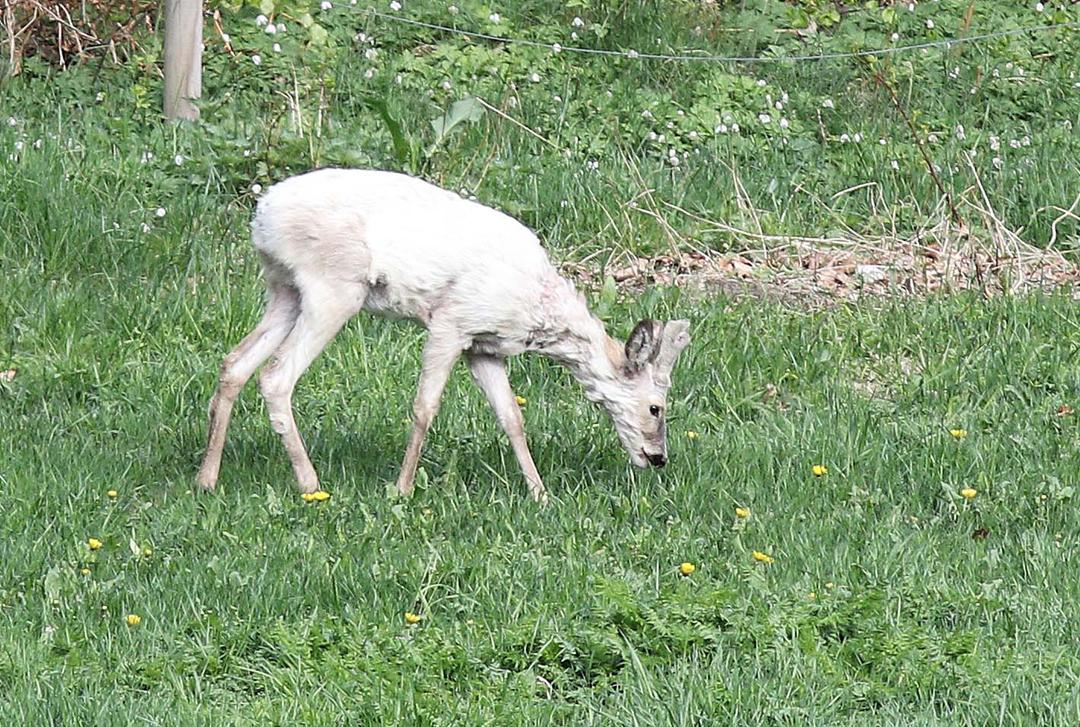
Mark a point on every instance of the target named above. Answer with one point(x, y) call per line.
point(574, 337)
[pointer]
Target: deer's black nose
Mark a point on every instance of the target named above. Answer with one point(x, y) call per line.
point(656, 460)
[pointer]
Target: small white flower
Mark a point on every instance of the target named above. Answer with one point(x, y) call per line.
point(574, 35)
point(632, 53)
point(1039, 7)
point(911, 7)
point(371, 54)
point(651, 136)
point(556, 48)
point(592, 165)
point(395, 6)
point(761, 83)
point(931, 138)
point(369, 73)
point(895, 37)
point(178, 159)
point(19, 146)
point(270, 29)
point(828, 104)
point(256, 59)
point(764, 118)
point(995, 143)
point(12, 121)
point(37, 144)
point(256, 188)
point(734, 128)
point(535, 78)
point(857, 138)
point(326, 5)
point(779, 105)
point(783, 123)
point(144, 227)
point(661, 139)
point(281, 27)
point(693, 134)
point(577, 22)
point(646, 114)
point(160, 212)
point(453, 10)
point(720, 129)
point(895, 165)
point(844, 138)
point(261, 20)
point(495, 18)
point(146, 157)
point(669, 125)
point(960, 132)
point(277, 47)
point(882, 142)
point(998, 163)
point(929, 24)
point(1025, 141)
point(446, 85)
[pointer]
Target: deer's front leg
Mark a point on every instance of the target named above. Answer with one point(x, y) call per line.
point(489, 372)
point(440, 353)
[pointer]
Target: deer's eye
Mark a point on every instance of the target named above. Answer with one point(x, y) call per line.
point(654, 410)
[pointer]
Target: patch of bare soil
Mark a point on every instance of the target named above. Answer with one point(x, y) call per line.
point(977, 253)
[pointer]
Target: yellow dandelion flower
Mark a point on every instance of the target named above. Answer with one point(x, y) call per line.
point(812, 595)
point(147, 551)
point(830, 585)
point(762, 557)
point(968, 493)
point(133, 619)
point(742, 512)
point(691, 435)
point(958, 433)
point(317, 496)
point(84, 571)
point(94, 543)
point(521, 400)
point(113, 494)
point(411, 618)
point(687, 568)
point(819, 470)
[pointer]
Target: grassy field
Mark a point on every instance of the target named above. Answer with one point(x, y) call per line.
point(878, 498)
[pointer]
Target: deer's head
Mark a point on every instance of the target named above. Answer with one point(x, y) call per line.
point(637, 402)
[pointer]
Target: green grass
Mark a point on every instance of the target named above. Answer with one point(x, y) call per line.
point(258, 607)
point(891, 598)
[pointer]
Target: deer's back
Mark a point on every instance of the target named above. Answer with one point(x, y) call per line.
point(413, 247)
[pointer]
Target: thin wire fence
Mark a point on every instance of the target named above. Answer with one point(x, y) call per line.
point(705, 58)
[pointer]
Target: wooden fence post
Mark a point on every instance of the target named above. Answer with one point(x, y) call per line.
point(183, 58)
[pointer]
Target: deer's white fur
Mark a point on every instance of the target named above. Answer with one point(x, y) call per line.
point(335, 241)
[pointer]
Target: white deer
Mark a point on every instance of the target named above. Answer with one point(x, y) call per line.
point(333, 242)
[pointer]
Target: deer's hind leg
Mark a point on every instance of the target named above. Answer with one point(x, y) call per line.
point(323, 311)
point(282, 309)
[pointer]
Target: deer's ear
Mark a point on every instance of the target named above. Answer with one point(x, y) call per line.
point(675, 337)
point(643, 345)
